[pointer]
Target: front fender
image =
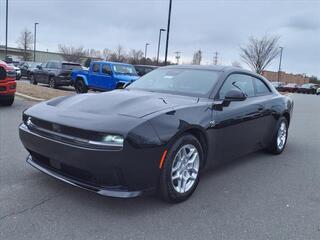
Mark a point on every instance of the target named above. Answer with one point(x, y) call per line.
point(84, 79)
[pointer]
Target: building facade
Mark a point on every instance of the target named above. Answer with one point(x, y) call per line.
point(285, 77)
point(41, 56)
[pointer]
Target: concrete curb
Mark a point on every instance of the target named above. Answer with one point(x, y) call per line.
point(29, 97)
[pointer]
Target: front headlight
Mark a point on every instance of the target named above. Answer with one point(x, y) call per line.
point(110, 140)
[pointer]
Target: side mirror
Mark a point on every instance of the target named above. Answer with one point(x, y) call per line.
point(39, 67)
point(231, 96)
point(235, 96)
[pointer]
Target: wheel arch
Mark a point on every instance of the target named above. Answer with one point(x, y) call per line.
point(199, 133)
point(83, 78)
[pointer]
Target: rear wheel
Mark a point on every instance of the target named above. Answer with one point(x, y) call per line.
point(33, 80)
point(280, 136)
point(180, 174)
point(80, 87)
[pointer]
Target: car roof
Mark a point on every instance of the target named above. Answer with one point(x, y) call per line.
point(112, 62)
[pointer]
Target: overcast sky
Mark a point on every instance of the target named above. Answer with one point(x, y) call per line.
point(209, 25)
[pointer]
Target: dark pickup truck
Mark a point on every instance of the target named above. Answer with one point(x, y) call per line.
point(54, 73)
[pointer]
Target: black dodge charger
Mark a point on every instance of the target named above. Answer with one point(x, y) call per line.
point(159, 133)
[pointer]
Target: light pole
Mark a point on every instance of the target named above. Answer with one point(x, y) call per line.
point(168, 33)
point(161, 30)
point(146, 50)
point(7, 13)
point(35, 41)
point(279, 71)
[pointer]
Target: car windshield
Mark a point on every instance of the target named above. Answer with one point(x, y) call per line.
point(124, 69)
point(178, 80)
point(70, 66)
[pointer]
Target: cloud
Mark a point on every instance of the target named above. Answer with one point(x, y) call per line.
point(304, 23)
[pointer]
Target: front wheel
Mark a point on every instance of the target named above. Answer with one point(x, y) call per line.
point(80, 87)
point(180, 173)
point(52, 83)
point(280, 137)
point(33, 80)
point(7, 102)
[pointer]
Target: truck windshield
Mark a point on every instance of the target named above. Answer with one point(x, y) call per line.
point(68, 66)
point(124, 69)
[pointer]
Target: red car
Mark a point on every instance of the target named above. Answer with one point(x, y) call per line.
point(290, 87)
point(7, 84)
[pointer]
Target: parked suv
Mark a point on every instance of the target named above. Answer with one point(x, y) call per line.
point(27, 68)
point(54, 73)
point(7, 84)
point(144, 69)
point(103, 76)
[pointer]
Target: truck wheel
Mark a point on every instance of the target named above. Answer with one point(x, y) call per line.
point(80, 87)
point(33, 80)
point(120, 85)
point(52, 83)
point(7, 102)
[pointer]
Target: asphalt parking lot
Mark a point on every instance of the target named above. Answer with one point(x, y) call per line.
point(259, 196)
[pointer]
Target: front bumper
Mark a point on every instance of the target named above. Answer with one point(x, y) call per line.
point(7, 88)
point(127, 173)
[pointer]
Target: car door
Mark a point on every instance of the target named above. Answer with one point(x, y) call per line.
point(237, 125)
point(106, 81)
point(94, 76)
point(38, 73)
point(266, 122)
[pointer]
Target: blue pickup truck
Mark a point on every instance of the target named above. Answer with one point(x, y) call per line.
point(103, 76)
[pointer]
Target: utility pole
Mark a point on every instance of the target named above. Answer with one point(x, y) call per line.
point(35, 41)
point(7, 14)
point(168, 32)
point(161, 30)
point(178, 56)
point(279, 71)
point(146, 50)
point(215, 58)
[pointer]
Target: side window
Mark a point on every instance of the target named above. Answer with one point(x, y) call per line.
point(236, 82)
point(44, 65)
point(261, 87)
point(106, 69)
point(96, 67)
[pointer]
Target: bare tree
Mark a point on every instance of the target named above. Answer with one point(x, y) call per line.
point(259, 53)
point(135, 56)
point(25, 43)
point(72, 54)
point(197, 57)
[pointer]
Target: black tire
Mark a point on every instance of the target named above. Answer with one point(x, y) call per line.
point(52, 83)
point(7, 102)
point(120, 85)
point(33, 80)
point(166, 188)
point(274, 147)
point(80, 87)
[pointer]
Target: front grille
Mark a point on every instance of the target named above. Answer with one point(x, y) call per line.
point(65, 130)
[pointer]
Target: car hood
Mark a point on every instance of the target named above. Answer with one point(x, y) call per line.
point(131, 103)
point(126, 78)
point(118, 110)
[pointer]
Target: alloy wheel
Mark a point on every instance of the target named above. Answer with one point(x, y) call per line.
point(185, 168)
point(282, 135)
